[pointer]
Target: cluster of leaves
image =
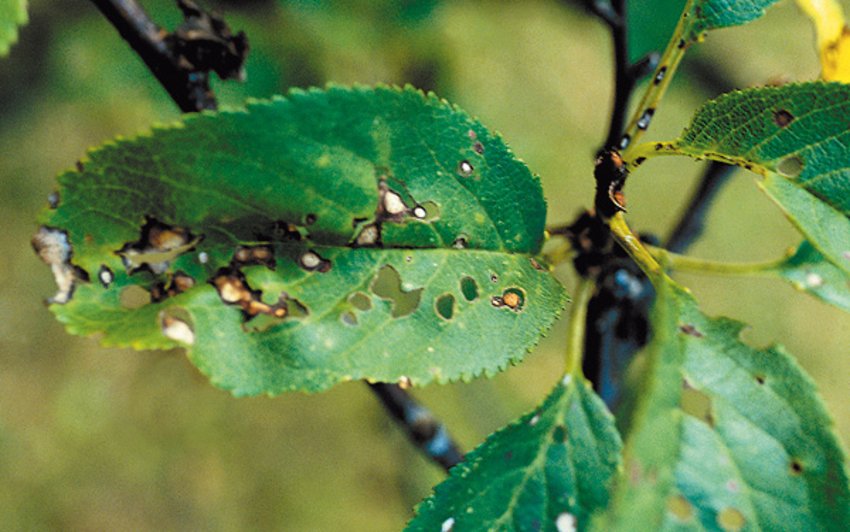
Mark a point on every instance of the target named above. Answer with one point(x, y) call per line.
point(383, 234)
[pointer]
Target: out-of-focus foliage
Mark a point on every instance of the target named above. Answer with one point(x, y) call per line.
point(833, 37)
point(94, 438)
point(13, 13)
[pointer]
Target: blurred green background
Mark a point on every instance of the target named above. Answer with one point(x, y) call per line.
point(97, 439)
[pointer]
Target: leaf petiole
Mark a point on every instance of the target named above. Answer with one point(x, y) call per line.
point(577, 326)
point(684, 263)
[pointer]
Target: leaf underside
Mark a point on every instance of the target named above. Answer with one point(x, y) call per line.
point(725, 436)
point(13, 14)
point(333, 235)
point(796, 136)
point(546, 471)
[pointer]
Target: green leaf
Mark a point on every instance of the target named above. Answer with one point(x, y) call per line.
point(548, 470)
point(725, 436)
point(650, 24)
point(354, 233)
point(13, 13)
point(796, 136)
point(705, 15)
point(810, 272)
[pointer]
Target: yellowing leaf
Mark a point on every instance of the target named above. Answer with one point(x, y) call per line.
point(833, 38)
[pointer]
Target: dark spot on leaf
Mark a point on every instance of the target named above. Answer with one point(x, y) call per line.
point(478, 147)
point(791, 166)
point(445, 306)
point(387, 285)
point(658, 146)
point(560, 434)
point(349, 318)
point(760, 379)
point(508, 456)
point(690, 330)
point(796, 466)
point(536, 265)
point(465, 168)
point(639, 161)
point(105, 275)
point(469, 288)
point(310, 219)
point(133, 297)
point(782, 117)
point(360, 301)
point(659, 76)
point(681, 44)
point(234, 290)
point(79, 166)
point(460, 242)
point(262, 255)
point(313, 262)
point(697, 404)
point(731, 520)
point(680, 507)
point(494, 278)
point(279, 231)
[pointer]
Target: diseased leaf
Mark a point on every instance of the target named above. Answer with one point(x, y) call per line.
point(333, 235)
point(549, 470)
point(725, 436)
point(833, 37)
point(810, 272)
point(13, 13)
point(796, 136)
point(705, 15)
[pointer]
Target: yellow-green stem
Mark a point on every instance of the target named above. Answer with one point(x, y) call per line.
point(576, 327)
point(669, 63)
point(684, 263)
point(633, 246)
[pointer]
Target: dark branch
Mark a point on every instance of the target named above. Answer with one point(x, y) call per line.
point(692, 221)
point(181, 61)
point(427, 433)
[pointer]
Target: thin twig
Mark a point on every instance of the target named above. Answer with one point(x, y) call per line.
point(181, 61)
point(427, 433)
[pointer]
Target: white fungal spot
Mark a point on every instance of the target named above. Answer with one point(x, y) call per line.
point(393, 203)
point(465, 168)
point(447, 525)
point(420, 212)
point(568, 378)
point(368, 235)
point(813, 280)
point(54, 249)
point(203, 258)
point(105, 276)
point(310, 260)
point(177, 330)
point(533, 421)
point(566, 522)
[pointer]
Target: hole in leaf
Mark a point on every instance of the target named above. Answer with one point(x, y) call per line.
point(465, 168)
point(461, 242)
point(469, 288)
point(387, 285)
point(176, 324)
point(696, 403)
point(782, 117)
point(158, 245)
point(790, 166)
point(680, 507)
point(349, 318)
point(360, 301)
point(445, 306)
point(731, 519)
point(133, 297)
point(796, 466)
point(560, 434)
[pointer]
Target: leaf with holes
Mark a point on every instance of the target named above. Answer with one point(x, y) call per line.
point(13, 14)
point(796, 137)
point(329, 236)
point(725, 436)
point(549, 469)
point(810, 272)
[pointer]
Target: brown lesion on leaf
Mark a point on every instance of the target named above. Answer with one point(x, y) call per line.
point(233, 289)
point(313, 262)
point(690, 330)
point(796, 466)
point(176, 324)
point(158, 245)
point(178, 283)
point(393, 207)
point(54, 248)
point(512, 298)
point(782, 117)
point(262, 255)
